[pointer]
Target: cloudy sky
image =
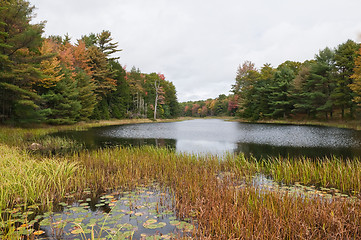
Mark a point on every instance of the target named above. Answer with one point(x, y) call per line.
point(198, 44)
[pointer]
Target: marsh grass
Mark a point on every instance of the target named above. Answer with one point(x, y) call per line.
point(46, 145)
point(24, 179)
point(343, 175)
point(56, 146)
point(248, 213)
point(223, 210)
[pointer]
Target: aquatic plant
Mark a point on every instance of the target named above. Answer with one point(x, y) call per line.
point(344, 175)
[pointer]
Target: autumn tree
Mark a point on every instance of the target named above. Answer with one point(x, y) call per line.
point(99, 48)
point(171, 104)
point(56, 81)
point(50, 67)
point(233, 105)
point(81, 58)
point(247, 75)
point(355, 86)
point(195, 108)
point(101, 72)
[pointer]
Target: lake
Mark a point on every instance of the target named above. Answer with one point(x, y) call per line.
point(215, 136)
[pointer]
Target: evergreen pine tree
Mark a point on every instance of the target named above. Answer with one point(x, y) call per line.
point(345, 56)
point(19, 43)
point(62, 101)
point(280, 98)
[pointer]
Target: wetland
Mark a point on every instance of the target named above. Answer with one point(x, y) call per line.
point(181, 180)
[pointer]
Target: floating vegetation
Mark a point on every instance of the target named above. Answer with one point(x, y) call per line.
point(135, 214)
point(261, 182)
point(332, 173)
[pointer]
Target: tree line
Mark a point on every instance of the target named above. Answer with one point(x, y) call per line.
point(55, 81)
point(221, 106)
point(328, 86)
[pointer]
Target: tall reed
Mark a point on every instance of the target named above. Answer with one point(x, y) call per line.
point(24, 179)
point(344, 175)
point(249, 213)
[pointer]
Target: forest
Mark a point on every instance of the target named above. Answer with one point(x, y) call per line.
point(52, 80)
point(59, 81)
point(326, 87)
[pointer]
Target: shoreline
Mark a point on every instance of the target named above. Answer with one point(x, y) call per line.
point(355, 125)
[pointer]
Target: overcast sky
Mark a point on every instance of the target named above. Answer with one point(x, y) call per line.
point(198, 44)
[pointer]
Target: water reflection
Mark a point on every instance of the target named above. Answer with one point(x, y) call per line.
point(216, 136)
point(205, 147)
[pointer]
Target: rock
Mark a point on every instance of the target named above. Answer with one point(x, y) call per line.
point(35, 146)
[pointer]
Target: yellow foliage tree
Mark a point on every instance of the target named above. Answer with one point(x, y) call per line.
point(356, 85)
point(50, 67)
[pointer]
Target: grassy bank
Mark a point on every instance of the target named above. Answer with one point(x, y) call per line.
point(224, 209)
point(351, 124)
point(23, 137)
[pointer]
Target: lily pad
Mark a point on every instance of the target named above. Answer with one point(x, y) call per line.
point(187, 227)
point(168, 212)
point(175, 223)
point(63, 204)
point(153, 224)
point(39, 232)
point(109, 196)
point(150, 221)
point(77, 231)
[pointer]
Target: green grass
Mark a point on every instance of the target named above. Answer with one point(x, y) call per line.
point(24, 179)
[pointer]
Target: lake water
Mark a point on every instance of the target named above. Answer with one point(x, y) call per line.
point(215, 136)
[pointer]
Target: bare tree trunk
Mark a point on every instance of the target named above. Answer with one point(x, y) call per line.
point(146, 110)
point(156, 86)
